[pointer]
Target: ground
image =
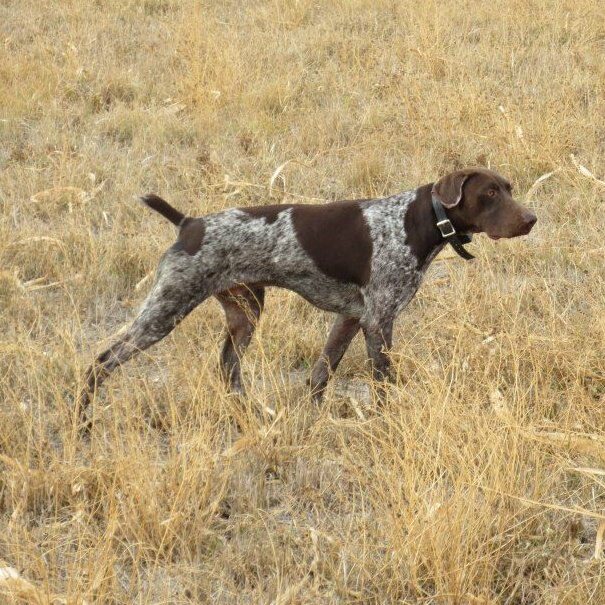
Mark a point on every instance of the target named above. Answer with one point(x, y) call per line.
point(482, 478)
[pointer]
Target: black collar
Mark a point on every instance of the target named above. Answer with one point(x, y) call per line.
point(449, 233)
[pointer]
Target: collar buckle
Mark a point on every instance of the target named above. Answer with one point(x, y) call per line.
point(446, 228)
point(448, 232)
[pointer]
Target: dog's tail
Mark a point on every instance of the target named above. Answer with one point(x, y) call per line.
point(156, 203)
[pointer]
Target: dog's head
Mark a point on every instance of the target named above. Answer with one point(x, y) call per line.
point(480, 201)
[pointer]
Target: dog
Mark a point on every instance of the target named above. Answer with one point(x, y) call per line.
point(363, 260)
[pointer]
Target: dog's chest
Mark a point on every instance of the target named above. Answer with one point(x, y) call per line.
point(395, 276)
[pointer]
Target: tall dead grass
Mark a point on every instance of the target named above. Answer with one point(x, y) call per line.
point(481, 480)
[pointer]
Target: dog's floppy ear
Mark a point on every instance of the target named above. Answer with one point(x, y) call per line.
point(448, 189)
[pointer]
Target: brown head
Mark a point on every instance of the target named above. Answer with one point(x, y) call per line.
point(480, 201)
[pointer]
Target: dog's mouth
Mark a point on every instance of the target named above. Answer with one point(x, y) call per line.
point(497, 237)
point(521, 233)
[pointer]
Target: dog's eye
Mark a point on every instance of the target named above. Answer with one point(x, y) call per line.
point(492, 193)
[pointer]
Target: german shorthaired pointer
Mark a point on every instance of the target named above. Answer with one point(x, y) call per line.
point(363, 260)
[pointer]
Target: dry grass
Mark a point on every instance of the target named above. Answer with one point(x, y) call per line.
point(482, 481)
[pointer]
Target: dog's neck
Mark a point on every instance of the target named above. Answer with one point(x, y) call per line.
point(423, 237)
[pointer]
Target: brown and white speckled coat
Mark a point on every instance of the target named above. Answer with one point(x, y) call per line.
point(363, 260)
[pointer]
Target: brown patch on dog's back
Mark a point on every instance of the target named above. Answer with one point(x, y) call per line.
point(191, 235)
point(337, 238)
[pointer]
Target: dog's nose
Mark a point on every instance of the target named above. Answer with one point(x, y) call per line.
point(529, 220)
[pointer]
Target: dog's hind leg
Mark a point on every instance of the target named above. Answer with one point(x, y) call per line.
point(243, 306)
point(168, 303)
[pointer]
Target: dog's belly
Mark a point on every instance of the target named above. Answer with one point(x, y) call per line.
point(327, 294)
point(319, 290)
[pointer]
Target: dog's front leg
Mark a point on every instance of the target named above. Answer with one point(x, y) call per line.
point(379, 339)
point(342, 333)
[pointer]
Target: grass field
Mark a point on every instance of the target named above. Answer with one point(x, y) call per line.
point(482, 481)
